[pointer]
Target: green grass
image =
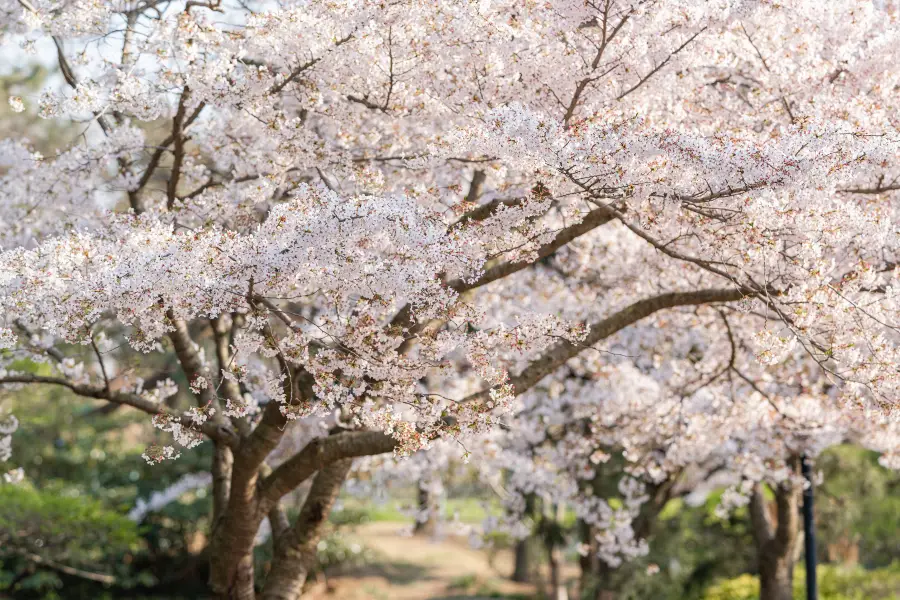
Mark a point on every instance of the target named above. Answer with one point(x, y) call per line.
point(470, 510)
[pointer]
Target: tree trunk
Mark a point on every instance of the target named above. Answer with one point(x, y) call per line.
point(233, 531)
point(553, 543)
point(557, 585)
point(250, 500)
point(585, 561)
point(776, 577)
point(522, 565)
point(231, 566)
point(231, 552)
point(775, 533)
point(295, 549)
point(427, 510)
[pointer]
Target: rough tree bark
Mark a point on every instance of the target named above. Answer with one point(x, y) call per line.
point(775, 535)
point(295, 549)
point(255, 492)
point(522, 564)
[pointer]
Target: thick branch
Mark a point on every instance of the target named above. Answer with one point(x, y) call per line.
point(222, 462)
point(189, 357)
point(559, 353)
point(483, 211)
point(319, 453)
point(230, 388)
point(591, 221)
point(278, 521)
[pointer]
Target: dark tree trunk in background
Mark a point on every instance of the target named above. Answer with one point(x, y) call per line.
point(523, 551)
point(553, 542)
point(589, 564)
point(809, 531)
point(522, 564)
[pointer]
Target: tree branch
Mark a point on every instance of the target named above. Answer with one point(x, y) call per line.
point(591, 221)
point(559, 353)
point(653, 72)
point(178, 149)
point(295, 550)
point(67, 570)
point(317, 454)
point(216, 431)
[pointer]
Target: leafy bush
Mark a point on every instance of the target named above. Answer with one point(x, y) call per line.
point(43, 529)
point(75, 528)
point(835, 583)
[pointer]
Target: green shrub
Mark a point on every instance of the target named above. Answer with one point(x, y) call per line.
point(39, 528)
point(75, 528)
point(745, 587)
point(835, 583)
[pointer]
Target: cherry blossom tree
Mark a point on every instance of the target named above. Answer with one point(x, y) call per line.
point(669, 414)
point(363, 227)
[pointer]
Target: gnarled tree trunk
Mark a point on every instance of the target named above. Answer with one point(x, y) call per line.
point(254, 492)
point(295, 549)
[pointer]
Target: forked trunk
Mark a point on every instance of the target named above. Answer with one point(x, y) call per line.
point(295, 549)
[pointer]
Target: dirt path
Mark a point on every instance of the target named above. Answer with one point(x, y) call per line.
point(417, 568)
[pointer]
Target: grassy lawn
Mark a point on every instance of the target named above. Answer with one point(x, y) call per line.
point(398, 509)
